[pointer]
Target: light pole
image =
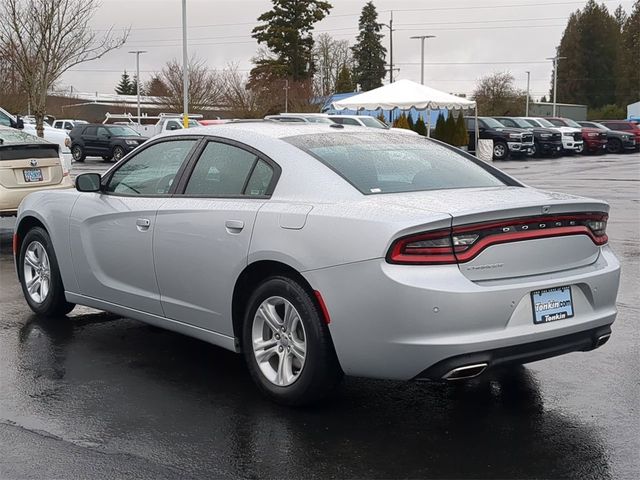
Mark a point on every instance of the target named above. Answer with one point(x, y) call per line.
point(185, 68)
point(422, 39)
point(555, 79)
point(137, 54)
point(526, 114)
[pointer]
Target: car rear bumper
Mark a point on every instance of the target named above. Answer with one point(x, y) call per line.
point(10, 198)
point(397, 321)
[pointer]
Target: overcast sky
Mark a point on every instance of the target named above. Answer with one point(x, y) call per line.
point(473, 37)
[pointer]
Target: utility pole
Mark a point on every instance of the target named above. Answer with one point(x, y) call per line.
point(555, 79)
point(422, 39)
point(286, 95)
point(390, 27)
point(185, 68)
point(526, 114)
point(137, 54)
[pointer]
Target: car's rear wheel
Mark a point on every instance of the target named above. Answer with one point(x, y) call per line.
point(78, 153)
point(40, 275)
point(118, 153)
point(500, 150)
point(287, 345)
point(614, 146)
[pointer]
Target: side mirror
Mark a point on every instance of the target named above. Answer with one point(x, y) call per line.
point(19, 123)
point(88, 182)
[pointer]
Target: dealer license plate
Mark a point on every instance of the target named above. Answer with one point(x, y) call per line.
point(552, 304)
point(32, 175)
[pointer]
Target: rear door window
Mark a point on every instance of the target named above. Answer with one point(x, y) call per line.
point(227, 170)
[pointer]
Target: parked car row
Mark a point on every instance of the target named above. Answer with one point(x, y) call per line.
point(551, 136)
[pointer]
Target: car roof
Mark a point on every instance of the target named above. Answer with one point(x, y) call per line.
point(275, 130)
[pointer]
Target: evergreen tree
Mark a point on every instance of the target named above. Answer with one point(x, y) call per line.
point(410, 122)
point(450, 129)
point(125, 85)
point(401, 122)
point(544, 99)
point(421, 127)
point(440, 128)
point(628, 72)
point(368, 53)
point(286, 32)
point(462, 136)
point(621, 17)
point(591, 33)
point(344, 83)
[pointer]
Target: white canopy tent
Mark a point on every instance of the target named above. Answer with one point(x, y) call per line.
point(405, 94)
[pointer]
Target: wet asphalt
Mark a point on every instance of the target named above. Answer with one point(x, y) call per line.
point(95, 395)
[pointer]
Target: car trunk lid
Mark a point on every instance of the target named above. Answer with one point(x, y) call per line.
point(516, 231)
point(36, 165)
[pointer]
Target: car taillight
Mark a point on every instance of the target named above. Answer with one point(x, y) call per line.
point(464, 242)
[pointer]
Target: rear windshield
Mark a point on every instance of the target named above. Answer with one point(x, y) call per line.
point(25, 152)
point(391, 163)
point(10, 135)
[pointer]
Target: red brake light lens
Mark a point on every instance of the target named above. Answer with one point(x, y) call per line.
point(463, 243)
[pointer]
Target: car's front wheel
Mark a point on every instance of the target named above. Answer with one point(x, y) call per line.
point(40, 276)
point(287, 345)
point(614, 146)
point(500, 150)
point(118, 153)
point(78, 153)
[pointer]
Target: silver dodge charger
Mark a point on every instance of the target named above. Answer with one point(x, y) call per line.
point(323, 250)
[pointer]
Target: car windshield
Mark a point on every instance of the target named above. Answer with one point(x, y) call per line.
point(544, 122)
point(571, 123)
point(122, 131)
point(391, 163)
point(492, 122)
point(599, 125)
point(311, 119)
point(520, 123)
point(373, 123)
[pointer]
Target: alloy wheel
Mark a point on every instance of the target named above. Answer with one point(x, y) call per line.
point(499, 151)
point(37, 272)
point(279, 341)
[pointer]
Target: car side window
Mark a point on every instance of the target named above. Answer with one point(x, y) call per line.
point(152, 170)
point(4, 120)
point(621, 126)
point(507, 122)
point(471, 123)
point(350, 121)
point(103, 132)
point(224, 169)
point(91, 131)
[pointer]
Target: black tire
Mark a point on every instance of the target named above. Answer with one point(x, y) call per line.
point(500, 150)
point(535, 150)
point(77, 152)
point(614, 146)
point(321, 371)
point(118, 153)
point(54, 304)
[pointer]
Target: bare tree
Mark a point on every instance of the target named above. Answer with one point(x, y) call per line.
point(205, 86)
point(497, 95)
point(330, 57)
point(242, 101)
point(42, 39)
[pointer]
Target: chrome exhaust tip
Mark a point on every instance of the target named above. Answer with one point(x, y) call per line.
point(466, 372)
point(602, 339)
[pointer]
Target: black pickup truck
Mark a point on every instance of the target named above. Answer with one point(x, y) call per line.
point(545, 140)
point(506, 141)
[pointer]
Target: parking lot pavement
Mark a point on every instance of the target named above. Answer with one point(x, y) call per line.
point(97, 396)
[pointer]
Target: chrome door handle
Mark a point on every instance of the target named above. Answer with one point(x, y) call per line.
point(143, 223)
point(234, 226)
